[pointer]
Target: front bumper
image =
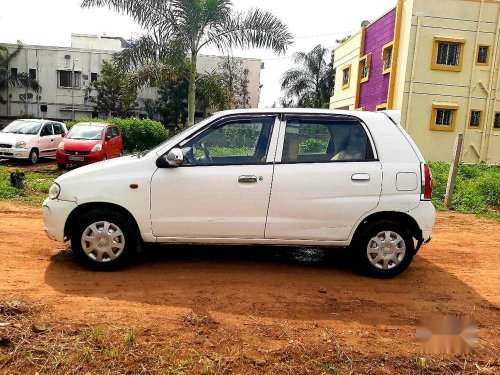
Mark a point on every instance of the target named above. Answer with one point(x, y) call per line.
point(14, 153)
point(93, 157)
point(55, 215)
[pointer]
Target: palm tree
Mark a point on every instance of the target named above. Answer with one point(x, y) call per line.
point(311, 83)
point(194, 24)
point(6, 79)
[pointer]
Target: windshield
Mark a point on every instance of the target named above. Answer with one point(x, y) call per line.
point(23, 127)
point(86, 132)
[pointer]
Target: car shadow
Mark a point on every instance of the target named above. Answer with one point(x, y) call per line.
point(274, 282)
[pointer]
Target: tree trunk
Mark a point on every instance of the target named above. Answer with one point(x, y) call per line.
point(192, 89)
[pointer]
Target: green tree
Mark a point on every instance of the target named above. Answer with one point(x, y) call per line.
point(311, 83)
point(190, 25)
point(115, 97)
point(7, 80)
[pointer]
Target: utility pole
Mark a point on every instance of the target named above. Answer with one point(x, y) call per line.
point(73, 91)
point(452, 178)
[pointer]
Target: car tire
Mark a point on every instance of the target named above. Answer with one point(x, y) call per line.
point(99, 250)
point(384, 249)
point(61, 166)
point(33, 156)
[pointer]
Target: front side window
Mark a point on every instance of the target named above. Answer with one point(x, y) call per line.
point(443, 118)
point(311, 141)
point(475, 119)
point(448, 54)
point(235, 142)
point(65, 79)
point(22, 127)
point(483, 55)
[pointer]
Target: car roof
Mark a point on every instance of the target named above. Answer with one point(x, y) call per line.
point(363, 115)
point(101, 124)
point(41, 121)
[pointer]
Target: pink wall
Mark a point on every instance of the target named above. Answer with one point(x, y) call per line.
point(376, 89)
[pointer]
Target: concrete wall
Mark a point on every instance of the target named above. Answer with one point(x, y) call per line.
point(375, 91)
point(49, 60)
point(345, 55)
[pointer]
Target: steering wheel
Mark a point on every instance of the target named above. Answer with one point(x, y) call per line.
point(205, 151)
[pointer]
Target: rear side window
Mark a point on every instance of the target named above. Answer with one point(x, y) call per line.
point(58, 129)
point(321, 141)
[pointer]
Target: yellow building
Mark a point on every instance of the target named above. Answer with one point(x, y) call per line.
point(438, 62)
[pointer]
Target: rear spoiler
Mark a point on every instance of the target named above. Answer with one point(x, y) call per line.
point(394, 116)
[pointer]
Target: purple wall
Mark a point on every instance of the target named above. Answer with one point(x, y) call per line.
point(376, 89)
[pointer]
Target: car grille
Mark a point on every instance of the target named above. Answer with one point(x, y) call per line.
point(77, 152)
point(5, 146)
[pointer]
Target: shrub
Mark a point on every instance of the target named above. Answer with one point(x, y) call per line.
point(138, 135)
point(313, 146)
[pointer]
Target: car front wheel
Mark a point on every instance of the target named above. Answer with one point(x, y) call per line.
point(385, 249)
point(33, 157)
point(103, 240)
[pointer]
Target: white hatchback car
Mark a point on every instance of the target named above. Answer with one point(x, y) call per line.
point(275, 177)
point(31, 139)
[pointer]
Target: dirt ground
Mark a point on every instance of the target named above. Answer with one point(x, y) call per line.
point(212, 310)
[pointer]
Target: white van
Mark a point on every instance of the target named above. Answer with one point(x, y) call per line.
point(274, 177)
point(31, 139)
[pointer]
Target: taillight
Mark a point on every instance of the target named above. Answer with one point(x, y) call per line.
point(427, 185)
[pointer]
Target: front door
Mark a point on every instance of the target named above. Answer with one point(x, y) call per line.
point(326, 179)
point(222, 189)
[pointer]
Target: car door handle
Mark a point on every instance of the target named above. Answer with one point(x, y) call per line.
point(247, 179)
point(360, 177)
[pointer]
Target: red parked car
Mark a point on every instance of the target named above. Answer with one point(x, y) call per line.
point(88, 143)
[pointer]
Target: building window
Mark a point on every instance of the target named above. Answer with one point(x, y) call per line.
point(475, 119)
point(483, 55)
point(64, 79)
point(364, 68)
point(444, 117)
point(496, 124)
point(346, 77)
point(13, 72)
point(93, 77)
point(387, 57)
point(32, 74)
point(382, 107)
point(448, 54)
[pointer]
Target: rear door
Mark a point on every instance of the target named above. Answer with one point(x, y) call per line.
point(47, 143)
point(326, 178)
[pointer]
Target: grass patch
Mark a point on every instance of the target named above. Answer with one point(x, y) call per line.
point(477, 189)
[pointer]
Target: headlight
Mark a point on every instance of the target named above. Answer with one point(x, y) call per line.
point(61, 146)
point(21, 144)
point(54, 191)
point(97, 148)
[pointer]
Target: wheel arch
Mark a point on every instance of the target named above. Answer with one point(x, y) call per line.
point(80, 209)
point(391, 216)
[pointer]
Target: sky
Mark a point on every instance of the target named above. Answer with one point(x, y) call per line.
point(311, 22)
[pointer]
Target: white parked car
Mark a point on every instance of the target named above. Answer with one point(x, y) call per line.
point(275, 177)
point(31, 139)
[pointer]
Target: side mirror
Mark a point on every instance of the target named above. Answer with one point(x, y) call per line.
point(63, 135)
point(108, 138)
point(174, 159)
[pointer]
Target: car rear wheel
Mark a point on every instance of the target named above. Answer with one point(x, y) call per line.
point(33, 157)
point(385, 249)
point(103, 240)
